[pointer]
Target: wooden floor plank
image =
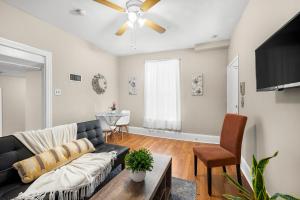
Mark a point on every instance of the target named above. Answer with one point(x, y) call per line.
point(182, 163)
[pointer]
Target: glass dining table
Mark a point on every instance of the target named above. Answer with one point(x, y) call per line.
point(108, 121)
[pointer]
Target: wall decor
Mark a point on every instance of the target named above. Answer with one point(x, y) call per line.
point(197, 85)
point(132, 86)
point(99, 84)
point(243, 92)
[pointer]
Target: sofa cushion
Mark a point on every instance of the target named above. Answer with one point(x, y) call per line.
point(90, 130)
point(10, 191)
point(11, 151)
point(121, 152)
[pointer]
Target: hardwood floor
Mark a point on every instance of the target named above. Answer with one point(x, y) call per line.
point(182, 163)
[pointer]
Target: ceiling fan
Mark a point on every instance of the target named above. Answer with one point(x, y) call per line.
point(135, 10)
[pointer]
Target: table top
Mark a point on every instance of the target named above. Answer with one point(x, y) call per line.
point(111, 114)
point(122, 187)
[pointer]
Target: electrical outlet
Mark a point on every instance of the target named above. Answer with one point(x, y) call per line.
point(57, 92)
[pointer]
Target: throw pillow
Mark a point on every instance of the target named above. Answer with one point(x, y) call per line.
point(32, 168)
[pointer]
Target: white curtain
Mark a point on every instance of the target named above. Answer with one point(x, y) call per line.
point(162, 95)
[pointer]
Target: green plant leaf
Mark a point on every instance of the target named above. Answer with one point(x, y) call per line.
point(139, 160)
point(283, 196)
point(231, 197)
point(242, 190)
point(263, 163)
point(262, 196)
point(253, 169)
point(259, 186)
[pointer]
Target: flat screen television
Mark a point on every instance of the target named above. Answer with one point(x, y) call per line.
point(278, 59)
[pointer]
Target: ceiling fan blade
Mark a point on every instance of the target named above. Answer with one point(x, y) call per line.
point(122, 29)
point(154, 26)
point(111, 5)
point(148, 4)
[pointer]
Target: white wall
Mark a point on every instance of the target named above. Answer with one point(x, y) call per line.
point(70, 55)
point(200, 114)
point(22, 102)
point(34, 110)
point(273, 116)
point(13, 96)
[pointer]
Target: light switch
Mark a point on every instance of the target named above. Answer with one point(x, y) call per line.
point(57, 92)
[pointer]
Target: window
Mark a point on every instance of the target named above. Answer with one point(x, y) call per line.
point(162, 95)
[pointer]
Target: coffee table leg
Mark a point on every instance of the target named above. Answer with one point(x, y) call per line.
point(168, 182)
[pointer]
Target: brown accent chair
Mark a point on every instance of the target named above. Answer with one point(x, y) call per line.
point(228, 152)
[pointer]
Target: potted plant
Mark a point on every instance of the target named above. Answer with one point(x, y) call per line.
point(258, 184)
point(138, 162)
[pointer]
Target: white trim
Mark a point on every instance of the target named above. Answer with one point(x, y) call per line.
point(27, 66)
point(212, 45)
point(193, 137)
point(33, 54)
point(234, 62)
point(246, 171)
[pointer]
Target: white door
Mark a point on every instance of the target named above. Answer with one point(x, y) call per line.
point(0, 112)
point(233, 87)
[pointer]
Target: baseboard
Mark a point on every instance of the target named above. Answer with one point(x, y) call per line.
point(193, 137)
point(246, 171)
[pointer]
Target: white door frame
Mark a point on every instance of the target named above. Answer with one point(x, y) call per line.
point(234, 64)
point(18, 50)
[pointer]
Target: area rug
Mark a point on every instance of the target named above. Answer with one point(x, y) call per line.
point(181, 189)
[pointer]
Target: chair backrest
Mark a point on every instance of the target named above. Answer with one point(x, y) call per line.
point(232, 134)
point(125, 119)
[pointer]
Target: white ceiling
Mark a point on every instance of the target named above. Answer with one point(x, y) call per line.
point(188, 22)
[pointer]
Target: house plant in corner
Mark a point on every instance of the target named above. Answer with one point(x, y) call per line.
point(258, 184)
point(138, 162)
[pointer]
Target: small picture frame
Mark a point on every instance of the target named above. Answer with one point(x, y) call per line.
point(197, 85)
point(132, 86)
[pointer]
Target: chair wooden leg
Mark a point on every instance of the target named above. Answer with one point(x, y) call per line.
point(238, 173)
point(209, 180)
point(105, 136)
point(224, 169)
point(126, 127)
point(195, 165)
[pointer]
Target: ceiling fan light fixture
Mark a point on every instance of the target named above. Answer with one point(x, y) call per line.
point(132, 17)
point(130, 24)
point(141, 22)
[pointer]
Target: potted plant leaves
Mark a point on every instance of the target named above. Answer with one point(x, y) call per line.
point(258, 184)
point(138, 162)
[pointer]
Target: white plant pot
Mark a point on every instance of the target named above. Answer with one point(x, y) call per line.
point(137, 176)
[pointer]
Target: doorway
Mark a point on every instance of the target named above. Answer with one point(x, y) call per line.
point(26, 87)
point(233, 86)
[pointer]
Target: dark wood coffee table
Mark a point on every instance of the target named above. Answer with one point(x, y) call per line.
point(157, 184)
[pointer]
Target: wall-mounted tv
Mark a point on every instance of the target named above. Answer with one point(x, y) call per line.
point(278, 59)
